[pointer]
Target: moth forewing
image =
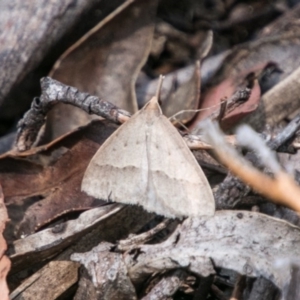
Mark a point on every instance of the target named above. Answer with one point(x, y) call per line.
point(146, 162)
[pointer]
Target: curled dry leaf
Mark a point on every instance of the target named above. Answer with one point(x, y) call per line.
point(104, 62)
point(44, 183)
point(109, 223)
point(44, 244)
point(247, 242)
point(186, 97)
point(4, 261)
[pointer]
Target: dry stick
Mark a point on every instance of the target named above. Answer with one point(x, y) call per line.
point(54, 92)
point(282, 189)
point(288, 132)
point(223, 193)
point(133, 242)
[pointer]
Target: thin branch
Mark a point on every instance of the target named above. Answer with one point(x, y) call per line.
point(134, 241)
point(282, 189)
point(288, 132)
point(54, 92)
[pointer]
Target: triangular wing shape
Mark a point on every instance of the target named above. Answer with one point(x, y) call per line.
point(146, 162)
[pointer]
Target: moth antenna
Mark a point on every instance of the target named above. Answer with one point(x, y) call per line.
point(160, 82)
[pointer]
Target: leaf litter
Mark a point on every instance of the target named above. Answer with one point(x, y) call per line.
point(55, 229)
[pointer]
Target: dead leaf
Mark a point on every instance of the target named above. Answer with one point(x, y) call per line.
point(105, 62)
point(246, 242)
point(4, 260)
point(44, 183)
point(278, 103)
point(49, 241)
point(280, 49)
point(186, 97)
point(212, 98)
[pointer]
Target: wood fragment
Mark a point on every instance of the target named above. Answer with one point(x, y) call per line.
point(285, 134)
point(120, 221)
point(133, 242)
point(109, 283)
point(48, 283)
point(278, 102)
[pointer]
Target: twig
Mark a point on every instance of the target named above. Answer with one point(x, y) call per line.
point(274, 189)
point(286, 133)
point(133, 242)
point(53, 92)
point(232, 191)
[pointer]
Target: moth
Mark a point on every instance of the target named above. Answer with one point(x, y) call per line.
point(146, 162)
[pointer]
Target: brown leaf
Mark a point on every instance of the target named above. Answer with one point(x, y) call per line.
point(105, 62)
point(232, 118)
point(44, 183)
point(4, 260)
point(186, 97)
point(212, 99)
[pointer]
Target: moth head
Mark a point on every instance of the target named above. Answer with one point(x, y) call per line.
point(153, 105)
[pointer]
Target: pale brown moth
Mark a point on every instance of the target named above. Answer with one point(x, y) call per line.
point(146, 162)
